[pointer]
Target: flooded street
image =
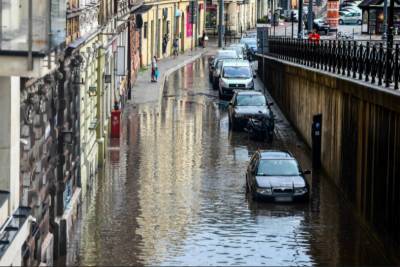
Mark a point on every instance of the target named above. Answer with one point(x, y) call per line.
point(174, 194)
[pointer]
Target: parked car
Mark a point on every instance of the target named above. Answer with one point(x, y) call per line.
point(251, 46)
point(217, 71)
point(238, 50)
point(220, 55)
point(321, 26)
point(276, 176)
point(350, 18)
point(245, 105)
point(236, 74)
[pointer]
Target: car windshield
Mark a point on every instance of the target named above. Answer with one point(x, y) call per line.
point(227, 54)
point(237, 72)
point(278, 167)
point(250, 100)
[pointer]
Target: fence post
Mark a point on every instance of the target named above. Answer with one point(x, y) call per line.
point(396, 67)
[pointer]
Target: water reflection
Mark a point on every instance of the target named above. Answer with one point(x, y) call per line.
point(175, 195)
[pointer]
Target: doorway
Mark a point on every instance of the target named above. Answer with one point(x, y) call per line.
point(183, 32)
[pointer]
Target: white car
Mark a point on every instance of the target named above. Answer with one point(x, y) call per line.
point(235, 74)
point(351, 17)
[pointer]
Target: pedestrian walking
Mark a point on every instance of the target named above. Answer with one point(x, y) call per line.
point(154, 69)
point(176, 46)
point(164, 44)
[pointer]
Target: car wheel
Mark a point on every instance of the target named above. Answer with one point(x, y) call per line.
point(359, 22)
point(340, 22)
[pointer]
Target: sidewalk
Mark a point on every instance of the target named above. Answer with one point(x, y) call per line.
point(144, 91)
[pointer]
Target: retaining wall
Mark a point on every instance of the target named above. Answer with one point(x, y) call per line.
point(360, 136)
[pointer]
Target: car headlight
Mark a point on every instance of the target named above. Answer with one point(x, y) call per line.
point(264, 191)
point(300, 190)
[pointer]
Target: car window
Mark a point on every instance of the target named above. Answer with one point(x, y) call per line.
point(250, 100)
point(236, 72)
point(278, 167)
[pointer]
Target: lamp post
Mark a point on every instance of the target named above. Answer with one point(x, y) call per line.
point(221, 23)
point(300, 25)
point(310, 15)
point(389, 44)
point(385, 23)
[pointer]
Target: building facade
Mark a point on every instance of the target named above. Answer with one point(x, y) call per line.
point(170, 19)
point(58, 89)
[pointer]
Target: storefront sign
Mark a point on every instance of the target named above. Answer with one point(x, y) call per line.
point(189, 26)
point(121, 60)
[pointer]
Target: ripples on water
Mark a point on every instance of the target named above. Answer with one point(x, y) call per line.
point(174, 195)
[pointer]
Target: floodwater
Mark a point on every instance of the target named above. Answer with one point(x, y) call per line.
point(173, 194)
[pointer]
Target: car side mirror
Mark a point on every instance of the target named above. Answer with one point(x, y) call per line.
point(270, 104)
point(306, 172)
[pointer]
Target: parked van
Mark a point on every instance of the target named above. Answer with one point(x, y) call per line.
point(235, 74)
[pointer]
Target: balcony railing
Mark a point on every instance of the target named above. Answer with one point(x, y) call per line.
point(370, 62)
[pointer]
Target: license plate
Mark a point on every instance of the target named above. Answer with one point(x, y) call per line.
point(283, 199)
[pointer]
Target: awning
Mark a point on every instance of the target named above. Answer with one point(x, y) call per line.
point(142, 9)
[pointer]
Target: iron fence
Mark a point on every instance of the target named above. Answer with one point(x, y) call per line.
point(370, 62)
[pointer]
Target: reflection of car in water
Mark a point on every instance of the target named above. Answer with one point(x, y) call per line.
point(276, 176)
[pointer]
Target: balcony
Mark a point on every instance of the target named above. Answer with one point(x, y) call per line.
point(30, 29)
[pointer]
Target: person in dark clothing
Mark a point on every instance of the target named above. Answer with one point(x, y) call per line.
point(164, 44)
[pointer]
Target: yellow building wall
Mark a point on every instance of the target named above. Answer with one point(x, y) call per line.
point(152, 34)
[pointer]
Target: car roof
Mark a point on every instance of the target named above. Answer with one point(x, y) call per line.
point(275, 154)
point(225, 52)
point(236, 63)
point(248, 92)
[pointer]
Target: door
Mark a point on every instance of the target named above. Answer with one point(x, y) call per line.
point(151, 41)
point(183, 32)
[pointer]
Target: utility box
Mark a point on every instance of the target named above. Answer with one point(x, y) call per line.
point(262, 38)
point(115, 123)
point(316, 138)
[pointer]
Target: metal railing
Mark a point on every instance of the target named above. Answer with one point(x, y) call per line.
point(370, 62)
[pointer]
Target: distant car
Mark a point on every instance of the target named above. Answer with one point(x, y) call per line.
point(249, 104)
point(238, 49)
point(321, 26)
point(236, 74)
point(251, 46)
point(220, 55)
point(350, 18)
point(276, 176)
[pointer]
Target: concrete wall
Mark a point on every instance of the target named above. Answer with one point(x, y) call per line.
point(360, 137)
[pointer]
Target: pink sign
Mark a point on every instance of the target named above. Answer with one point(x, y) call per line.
point(189, 26)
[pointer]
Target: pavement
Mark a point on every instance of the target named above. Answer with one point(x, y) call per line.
point(145, 91)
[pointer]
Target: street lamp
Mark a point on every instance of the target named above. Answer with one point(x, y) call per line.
point(389, 44)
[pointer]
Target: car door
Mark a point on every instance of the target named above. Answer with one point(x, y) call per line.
point(253, 171)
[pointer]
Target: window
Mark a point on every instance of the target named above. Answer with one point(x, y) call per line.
point(145, 30)
point(278, 167)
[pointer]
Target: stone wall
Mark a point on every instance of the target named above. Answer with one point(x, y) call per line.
point(360, 136)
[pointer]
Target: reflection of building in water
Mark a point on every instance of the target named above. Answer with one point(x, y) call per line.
point(170, 175)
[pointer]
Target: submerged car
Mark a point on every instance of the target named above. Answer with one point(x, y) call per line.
point(246, 105)
point(276, 176)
